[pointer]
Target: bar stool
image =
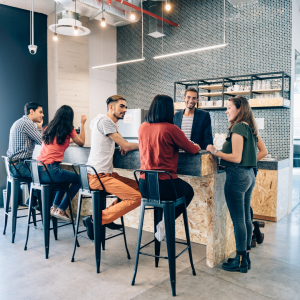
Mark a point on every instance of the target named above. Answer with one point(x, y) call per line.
point(47, 191)
point(13, 193)
point(99, 203)
point(168, 209)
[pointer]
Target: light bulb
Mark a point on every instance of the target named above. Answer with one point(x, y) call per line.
point(75, 30)
point(103, 24)
point(55, 37)
point(168, 6)
point(132, 16)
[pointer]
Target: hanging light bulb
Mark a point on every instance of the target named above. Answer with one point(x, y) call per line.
point(103, 23)
point(55, 37)
point(168, 6)
point(132, 15)
point(75, 30)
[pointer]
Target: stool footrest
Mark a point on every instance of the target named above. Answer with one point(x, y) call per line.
point(21, 217)
point(152, 255)
point(60, 226)
point(114, 236)
point(147, 244)
point(84, 237)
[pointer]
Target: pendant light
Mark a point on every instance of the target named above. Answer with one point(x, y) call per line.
point(55, 38)
point(132, 15)
point(75, 27)
point(103, 23)
point(168, 6)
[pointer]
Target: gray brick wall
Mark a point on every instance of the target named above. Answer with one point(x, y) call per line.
point(259, 40)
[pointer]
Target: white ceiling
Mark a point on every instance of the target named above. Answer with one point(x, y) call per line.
point(40, 6)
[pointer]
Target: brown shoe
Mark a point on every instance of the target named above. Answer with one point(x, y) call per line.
point(52, 211)
point(61, 215)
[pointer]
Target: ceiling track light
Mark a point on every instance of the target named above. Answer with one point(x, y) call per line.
point(168, 6)
point(190, 51)
point(132, 15)
point(119, 63)
point(103, 23)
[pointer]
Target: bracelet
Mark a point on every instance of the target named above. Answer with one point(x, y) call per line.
point(215, 152)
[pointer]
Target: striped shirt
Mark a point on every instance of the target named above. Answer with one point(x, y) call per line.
point(186, 126)
point(22, 138)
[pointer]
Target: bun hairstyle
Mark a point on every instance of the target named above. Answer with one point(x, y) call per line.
point(245, 114)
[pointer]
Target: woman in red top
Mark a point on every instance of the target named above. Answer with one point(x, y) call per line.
point(159, 144)
point(56, 139)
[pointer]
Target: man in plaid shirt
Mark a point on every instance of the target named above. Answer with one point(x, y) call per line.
point(24, 134)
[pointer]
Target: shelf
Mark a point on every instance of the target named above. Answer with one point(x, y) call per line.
point(215, 94)
point(239, 93)
point(270, 102)
point(213, 87)
point(235, 93)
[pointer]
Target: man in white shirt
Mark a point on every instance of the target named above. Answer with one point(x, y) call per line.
point(104, 136)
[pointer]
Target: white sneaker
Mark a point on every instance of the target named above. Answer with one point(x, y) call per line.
point(160, 233)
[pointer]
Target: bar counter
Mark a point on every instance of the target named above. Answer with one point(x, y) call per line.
point(209, 220)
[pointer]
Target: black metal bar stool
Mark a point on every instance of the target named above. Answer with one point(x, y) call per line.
point(47, 191)
point(13, 193)
point(99, 203)
point(167, 208)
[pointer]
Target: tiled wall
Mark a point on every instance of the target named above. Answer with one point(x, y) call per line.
point(259, 40)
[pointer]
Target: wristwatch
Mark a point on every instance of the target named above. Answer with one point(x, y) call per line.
point(215, 152)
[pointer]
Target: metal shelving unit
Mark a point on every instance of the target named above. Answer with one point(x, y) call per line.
point(217, 87)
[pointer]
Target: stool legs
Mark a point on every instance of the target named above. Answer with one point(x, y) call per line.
point(139, 239)
point(15, 193)
point(157, 219)
point(97, 199)
point(77, 223)
point(71, 213)
point(29, 214)
point(124, 235)
point(46, 192)
point(169, 214)
point(103, 228)
point(6, 204)
point(187, 234)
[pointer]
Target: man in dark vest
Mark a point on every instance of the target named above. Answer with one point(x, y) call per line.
point(194, 122)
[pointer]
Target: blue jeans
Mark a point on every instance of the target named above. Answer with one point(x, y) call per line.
point(59, 175)
point(21, 167)
point(238, 190)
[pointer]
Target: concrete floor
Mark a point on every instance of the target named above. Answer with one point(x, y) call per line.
point(28, 275)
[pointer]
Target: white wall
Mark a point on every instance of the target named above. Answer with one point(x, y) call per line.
point(102, 82)
point(71, 80)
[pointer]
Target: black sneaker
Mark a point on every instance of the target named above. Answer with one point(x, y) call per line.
point(88, 223)
point(113, 226)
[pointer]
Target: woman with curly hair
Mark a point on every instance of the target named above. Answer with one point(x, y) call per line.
point(56, 139)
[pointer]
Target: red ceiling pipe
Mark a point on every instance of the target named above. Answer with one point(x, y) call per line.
point(147, 12)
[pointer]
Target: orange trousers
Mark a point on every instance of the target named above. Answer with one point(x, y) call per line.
point(124, 188)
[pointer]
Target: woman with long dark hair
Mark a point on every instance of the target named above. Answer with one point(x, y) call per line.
point(56, 139)
point(159, 144)
point(239, 157)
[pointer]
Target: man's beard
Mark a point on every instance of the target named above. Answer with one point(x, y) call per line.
point(118, 117)
point(190, 107)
